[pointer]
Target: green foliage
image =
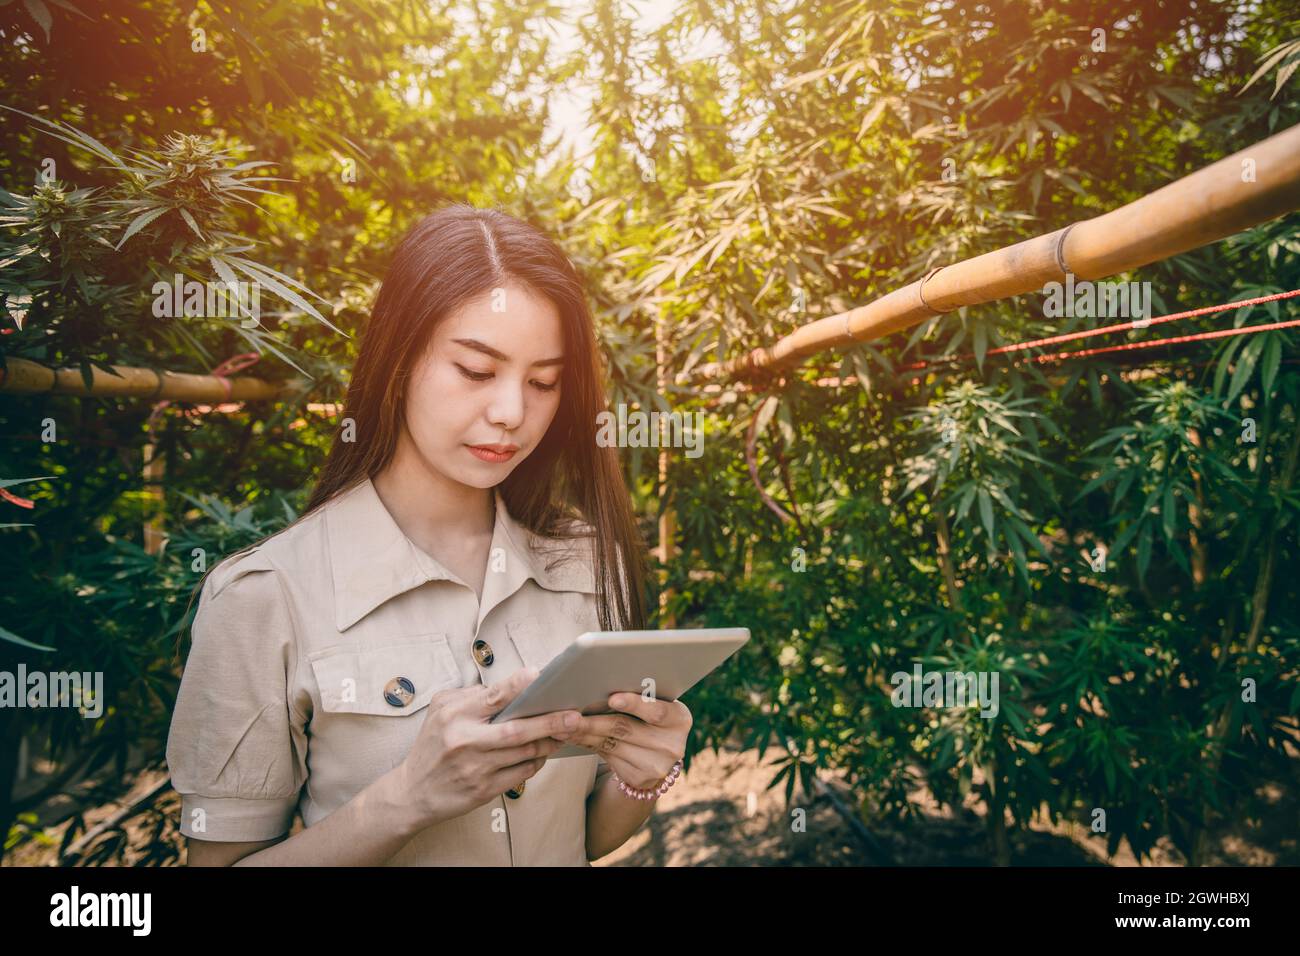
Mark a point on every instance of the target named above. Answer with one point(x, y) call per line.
point(66, 271)
point(876, 146)
point(976, 442)
point(752, 170)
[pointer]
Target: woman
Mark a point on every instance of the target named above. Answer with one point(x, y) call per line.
point(465, 529)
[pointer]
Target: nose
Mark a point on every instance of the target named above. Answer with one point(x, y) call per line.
point(506, 407)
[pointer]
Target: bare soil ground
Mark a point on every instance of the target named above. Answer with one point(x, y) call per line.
point(721, 814)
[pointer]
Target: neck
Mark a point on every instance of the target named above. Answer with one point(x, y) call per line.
point(430, 508)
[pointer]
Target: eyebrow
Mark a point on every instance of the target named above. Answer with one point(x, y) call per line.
point(488, 350)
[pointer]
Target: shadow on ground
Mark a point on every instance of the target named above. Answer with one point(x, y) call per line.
point(720, 813)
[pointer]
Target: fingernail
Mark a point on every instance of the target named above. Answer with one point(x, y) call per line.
point(570, 721)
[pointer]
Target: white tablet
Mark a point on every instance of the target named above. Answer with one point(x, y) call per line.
point(601, 663)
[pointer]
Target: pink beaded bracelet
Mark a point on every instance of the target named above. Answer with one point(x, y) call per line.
point(653, 793)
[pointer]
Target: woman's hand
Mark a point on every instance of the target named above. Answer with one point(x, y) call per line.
point(641, 742)
point(461, 761)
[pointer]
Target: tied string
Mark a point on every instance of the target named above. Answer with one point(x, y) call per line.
point(236, 363)
point(1124, 326)
point(765, 380)
point(232, 365)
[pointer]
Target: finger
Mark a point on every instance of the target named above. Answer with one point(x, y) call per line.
point(632, 761)
point(510, 756)
point(593, 731)
point(656, 712)
point(456, 699)
point(522, 730)
point(491, 700)
point(510, 777)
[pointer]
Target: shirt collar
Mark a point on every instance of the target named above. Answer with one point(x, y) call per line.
point(372, 560)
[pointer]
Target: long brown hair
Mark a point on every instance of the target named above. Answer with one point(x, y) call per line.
point(448, 257)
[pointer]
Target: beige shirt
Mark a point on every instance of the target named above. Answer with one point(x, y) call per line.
point(282, 703)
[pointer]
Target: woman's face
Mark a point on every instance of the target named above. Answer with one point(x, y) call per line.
point(488, 386)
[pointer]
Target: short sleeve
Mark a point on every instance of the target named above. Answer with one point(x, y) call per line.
point(237, 747)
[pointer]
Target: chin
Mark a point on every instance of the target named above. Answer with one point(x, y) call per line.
point(482, 474)
point(483, 481)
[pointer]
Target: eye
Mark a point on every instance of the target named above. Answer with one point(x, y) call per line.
point(476, 376)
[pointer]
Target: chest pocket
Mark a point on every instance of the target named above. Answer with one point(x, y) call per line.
point(361, 680)
point(539, 638)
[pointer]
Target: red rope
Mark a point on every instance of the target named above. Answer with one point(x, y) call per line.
point(14, 499)
point(236, 363)
point(1220, 334)
point(1124, 326)
point(751, 438)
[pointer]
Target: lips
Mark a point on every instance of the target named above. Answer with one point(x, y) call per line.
point(493, 453)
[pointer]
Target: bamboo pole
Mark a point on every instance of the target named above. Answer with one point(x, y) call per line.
point(1259, 183)
point(26, 377)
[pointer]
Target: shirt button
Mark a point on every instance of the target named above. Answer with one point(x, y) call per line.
point(514, 793)
point(399, 691)
point(483, 652)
